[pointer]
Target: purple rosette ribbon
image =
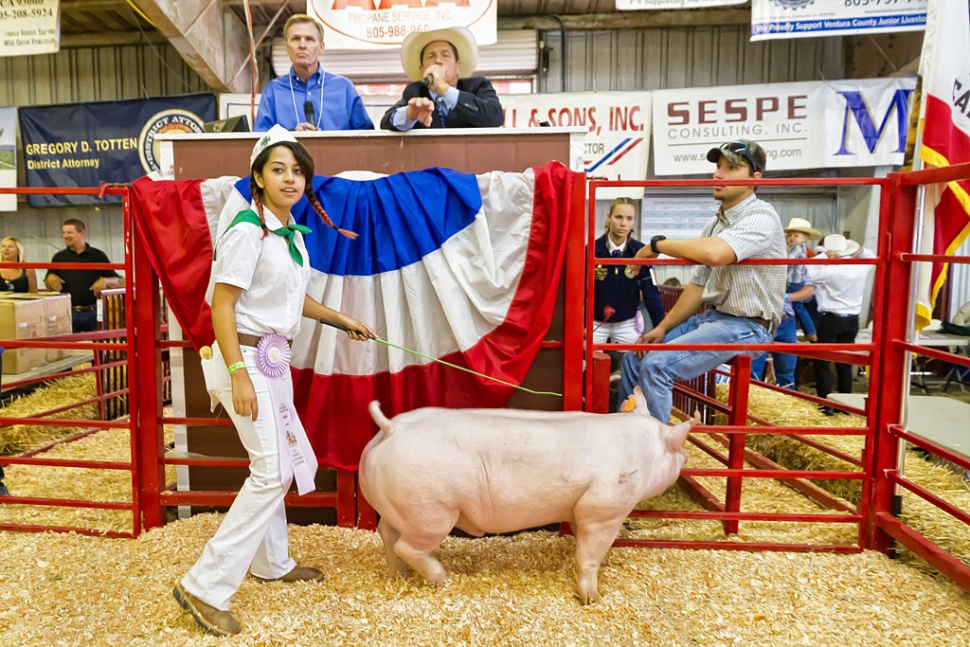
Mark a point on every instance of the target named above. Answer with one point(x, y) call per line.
point(273, 355)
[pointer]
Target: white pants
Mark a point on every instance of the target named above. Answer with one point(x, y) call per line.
point(253, 533)
point(621, 332)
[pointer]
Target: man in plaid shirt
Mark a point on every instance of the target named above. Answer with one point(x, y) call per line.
point(747, 300)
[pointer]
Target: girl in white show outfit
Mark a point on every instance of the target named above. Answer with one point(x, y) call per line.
point(257, 292)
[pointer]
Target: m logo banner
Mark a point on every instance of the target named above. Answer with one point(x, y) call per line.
point(801, 126)
point(82, 145)
point(381, 24)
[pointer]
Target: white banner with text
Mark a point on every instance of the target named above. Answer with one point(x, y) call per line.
point(29, 27)
point(801, 126)
point(617, 146)
point(8, 157)
point(380, 24)
point(638, 5)
point(773, 19)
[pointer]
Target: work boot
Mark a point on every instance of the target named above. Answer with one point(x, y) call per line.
point(212, 620)
point(298, 574)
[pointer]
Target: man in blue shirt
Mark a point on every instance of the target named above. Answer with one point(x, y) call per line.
point(335, 102)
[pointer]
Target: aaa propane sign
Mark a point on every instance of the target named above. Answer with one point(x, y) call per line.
point(618, 144)
point(379, 24)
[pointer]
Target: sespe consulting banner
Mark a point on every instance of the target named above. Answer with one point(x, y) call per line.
point(773, 19)
point(862, 122)
point(382, 24)
point(82, 145)
point(617, 146)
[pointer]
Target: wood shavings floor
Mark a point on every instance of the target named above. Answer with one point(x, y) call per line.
point(73, 590)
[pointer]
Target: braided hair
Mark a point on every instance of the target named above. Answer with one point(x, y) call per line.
point(306, 165)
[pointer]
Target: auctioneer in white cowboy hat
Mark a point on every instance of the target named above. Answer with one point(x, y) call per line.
point(803, 226)
point(840, 245)
point(463, 40)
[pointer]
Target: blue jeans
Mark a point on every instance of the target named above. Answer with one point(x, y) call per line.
point(657, 372)
point(784, 363)
point(84, 321)
point(802, 316)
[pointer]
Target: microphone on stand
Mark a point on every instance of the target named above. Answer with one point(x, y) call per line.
point(309, 113)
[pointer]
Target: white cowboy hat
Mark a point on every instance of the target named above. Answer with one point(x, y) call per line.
point(803, 226)
point(273, 136)
point(461, 38)
point(840, 245)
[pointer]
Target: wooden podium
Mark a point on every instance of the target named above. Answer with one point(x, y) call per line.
point(481, 150)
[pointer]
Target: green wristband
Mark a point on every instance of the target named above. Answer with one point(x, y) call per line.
point(236, 367)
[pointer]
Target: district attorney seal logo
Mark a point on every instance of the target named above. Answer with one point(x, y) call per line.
point(173, 120)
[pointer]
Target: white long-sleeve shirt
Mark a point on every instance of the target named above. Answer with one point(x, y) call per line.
point(840, 289)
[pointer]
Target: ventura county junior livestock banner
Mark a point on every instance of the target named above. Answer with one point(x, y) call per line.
point(772, 19)
point(617, 146)
point(800, 125)
point(8, 157)
point(29, 27)
point(636, 5)
point(379, 24)
point(82, 145)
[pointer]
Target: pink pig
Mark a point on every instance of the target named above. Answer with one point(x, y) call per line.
point(500, 470)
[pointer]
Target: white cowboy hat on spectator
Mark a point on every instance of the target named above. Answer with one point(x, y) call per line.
point(803, 226)
point(463, 40)
point(840, 245)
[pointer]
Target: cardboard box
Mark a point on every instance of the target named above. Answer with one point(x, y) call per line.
point(57, 319)
point(22, 318)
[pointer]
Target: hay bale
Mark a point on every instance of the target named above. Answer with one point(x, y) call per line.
point(16, 439)
point(758, 495)
point(78, 483)
point(789, 411)
point(939, 527)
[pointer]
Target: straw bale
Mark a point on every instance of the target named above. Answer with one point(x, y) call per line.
point(758, 495)
point(65, 589)
point(949, 533)
point(77, 483)
point(16, 439)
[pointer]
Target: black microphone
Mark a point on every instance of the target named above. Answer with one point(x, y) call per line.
point(428, 79)
point(309, 113)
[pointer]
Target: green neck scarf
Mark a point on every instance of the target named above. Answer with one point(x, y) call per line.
point(286, 232)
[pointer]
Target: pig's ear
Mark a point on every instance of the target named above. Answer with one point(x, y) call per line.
point(674, 437)
point(641, 401)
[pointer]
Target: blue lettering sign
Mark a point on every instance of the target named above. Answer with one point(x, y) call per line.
point(855, 105)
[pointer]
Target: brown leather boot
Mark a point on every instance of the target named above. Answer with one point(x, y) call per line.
point(298, 574)
point(213, 621)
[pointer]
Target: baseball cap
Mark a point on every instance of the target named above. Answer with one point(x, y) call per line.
point(743, 152)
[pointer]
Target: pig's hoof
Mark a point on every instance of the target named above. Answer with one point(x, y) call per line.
point(589, 597)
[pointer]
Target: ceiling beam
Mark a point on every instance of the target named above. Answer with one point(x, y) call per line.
point(92, 6)
point(631, 20)
point(111, 39)
point(209, 37)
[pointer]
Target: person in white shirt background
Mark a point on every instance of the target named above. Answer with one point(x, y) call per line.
point(839, 291)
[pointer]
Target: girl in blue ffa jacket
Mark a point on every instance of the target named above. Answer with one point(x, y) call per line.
point(618, 289)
